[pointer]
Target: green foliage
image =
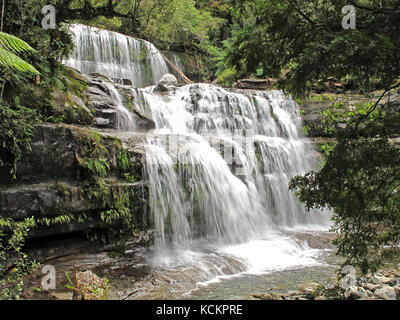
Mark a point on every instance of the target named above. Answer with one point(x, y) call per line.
point(178, 24)
point(360, 182)
point(95, 291)
point(93, 162)
point(332, 116)
point(227, 77)
point(301, 42)
point(14, 264)
point(9, 47)
point(24, 103)
point(16, 130)
point(126, 169)
point(117, 201)
point(326, 150)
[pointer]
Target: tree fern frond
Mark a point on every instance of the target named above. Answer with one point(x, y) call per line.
point(14, 44)
point(10, 60)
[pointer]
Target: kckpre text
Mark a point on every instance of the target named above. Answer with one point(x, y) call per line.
point(204, 309)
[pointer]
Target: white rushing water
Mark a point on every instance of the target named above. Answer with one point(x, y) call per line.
point(218, 165)
point(125, 119)
point(116, 56)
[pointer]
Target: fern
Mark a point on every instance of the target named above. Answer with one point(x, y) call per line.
point(10, 46)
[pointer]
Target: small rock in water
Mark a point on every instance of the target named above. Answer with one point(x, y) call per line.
point(330, 285)
point(309, 287)
point(268, 296)
point(168, 79)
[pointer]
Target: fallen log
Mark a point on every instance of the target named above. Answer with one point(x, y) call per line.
point(255, 84)
point(176, 69)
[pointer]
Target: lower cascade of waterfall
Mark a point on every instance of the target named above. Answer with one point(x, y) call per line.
point(218, 166)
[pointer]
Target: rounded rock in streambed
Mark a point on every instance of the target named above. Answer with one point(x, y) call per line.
point(168, 79)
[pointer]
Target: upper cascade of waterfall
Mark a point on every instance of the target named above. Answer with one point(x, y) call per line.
point(116, 56)
point(204, 108)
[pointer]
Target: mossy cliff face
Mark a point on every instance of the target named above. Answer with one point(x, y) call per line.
point(76, 179)
point(325, 114)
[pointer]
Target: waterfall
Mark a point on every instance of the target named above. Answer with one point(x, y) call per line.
point(217, 165)
point(116, 56)
point(125, 120)
point(220, 163)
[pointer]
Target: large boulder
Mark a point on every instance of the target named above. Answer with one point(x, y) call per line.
point(377, 280)
point(386, 293)
point(168, 79)
point(90, 287)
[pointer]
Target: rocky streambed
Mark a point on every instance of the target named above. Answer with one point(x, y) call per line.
point(133, 276)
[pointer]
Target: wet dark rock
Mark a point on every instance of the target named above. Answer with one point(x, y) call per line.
point(50, 182)
point(160, 88)
point(125, 82)
point(356, 293)
point(143, 122)
point(100, 77)
point(52, 199)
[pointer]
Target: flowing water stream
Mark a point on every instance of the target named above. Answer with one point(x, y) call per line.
point(218, 166)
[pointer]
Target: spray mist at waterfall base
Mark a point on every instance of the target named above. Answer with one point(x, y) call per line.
point(199, 269)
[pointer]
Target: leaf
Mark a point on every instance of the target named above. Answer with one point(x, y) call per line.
point(10, 60)
point(14, 44)
point(9, 47)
